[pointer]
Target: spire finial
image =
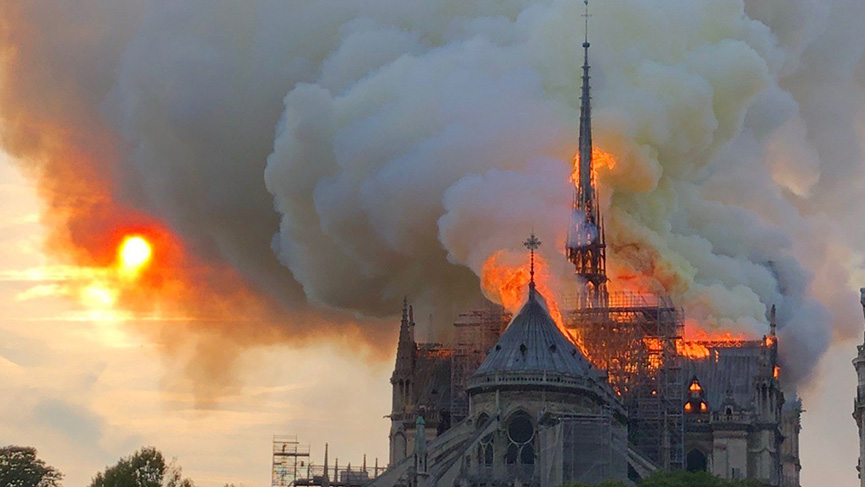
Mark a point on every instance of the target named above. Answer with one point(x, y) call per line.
point(532, 243)
point(586, 15)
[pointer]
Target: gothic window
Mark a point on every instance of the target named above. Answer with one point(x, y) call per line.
point(527, 455)
point(485, 451)
point(521, 435)
point(512, 453)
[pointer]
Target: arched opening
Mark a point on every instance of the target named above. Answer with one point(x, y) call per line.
point(485, 451)
point(697, 461)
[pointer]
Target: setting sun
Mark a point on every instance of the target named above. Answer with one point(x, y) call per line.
point(135, 252)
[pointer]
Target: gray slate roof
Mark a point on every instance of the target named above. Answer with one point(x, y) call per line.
point(533, 343)
point(735, 368)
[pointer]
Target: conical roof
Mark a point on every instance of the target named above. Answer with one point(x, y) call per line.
point(533, 343)
point(533, 352)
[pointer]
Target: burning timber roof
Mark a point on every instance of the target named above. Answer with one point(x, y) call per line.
point(734, 369)
point(533, 352)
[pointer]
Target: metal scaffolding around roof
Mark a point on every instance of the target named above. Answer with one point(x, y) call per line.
point(476, 332)
point(634, 339)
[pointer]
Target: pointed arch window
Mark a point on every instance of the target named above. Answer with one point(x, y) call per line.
point(521, 443)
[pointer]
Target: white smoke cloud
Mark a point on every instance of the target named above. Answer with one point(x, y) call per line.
point(401, 144)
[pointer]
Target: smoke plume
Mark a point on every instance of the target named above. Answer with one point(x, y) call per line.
point(333, 156)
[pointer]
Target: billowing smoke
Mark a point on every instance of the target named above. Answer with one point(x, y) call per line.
point(336, 155)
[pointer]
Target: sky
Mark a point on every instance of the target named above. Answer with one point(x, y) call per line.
point(85, 391)
point(84, 388)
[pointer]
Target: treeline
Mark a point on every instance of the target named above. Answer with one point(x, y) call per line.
point(21, 467)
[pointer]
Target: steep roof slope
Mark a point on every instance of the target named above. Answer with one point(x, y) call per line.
point(533, 343)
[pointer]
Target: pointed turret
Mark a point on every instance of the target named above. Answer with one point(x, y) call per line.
point(586, 247)
point(406, 356)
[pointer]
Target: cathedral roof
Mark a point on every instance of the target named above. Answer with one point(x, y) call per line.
point(533, 353)
point(731, 374)
point(533, 343)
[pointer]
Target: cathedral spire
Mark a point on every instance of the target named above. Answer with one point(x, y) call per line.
point(585, 246)
point(586, 183)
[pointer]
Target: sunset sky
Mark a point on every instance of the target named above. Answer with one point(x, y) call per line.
point(298, 168)
point(85, 391)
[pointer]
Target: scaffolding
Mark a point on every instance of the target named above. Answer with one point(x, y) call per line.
point(290, 458)
point(476, 333)
point(336, 476)
point(634, 340)
point(583, 449)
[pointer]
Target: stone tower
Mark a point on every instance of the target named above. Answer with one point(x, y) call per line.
point(402, 381)
point(859, 404)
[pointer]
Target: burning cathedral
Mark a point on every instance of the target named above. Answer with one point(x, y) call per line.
point(614, 392)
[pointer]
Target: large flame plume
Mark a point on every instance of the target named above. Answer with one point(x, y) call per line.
point(505, 280)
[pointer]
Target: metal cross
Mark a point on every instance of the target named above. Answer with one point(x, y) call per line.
point(532, 244)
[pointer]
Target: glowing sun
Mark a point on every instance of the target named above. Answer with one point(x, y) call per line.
point(135, 252)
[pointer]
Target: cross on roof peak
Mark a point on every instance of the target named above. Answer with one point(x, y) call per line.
point(532, 243)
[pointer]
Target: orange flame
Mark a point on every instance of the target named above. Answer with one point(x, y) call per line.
point(692, 350)
point(505, 280)
point(600, 160)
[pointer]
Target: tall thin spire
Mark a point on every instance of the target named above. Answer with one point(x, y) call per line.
point(532, 243)
point(586, 189)
point(586, 247)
